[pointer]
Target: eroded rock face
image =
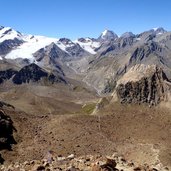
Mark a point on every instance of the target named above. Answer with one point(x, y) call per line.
point(6, 132)
point(143, 84)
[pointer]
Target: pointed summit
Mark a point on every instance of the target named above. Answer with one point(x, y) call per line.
point(108, 35)
point(159, 30)
point(127, 34)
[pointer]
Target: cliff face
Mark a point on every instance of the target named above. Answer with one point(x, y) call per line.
point(143, 84)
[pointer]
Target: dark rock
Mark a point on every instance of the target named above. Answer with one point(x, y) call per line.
point(7, 45)
point(29, 73)
point(6, 75)
point(1, 160)
point(110, 165)
point(40, 168)
point(6, 133)
point(137, 169)
point(33, 73)
point(3, 104)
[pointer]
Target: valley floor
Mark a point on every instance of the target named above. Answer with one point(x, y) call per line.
point(61, 122)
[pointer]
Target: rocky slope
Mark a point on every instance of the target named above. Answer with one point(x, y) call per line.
point(29, 74)
point(117, 57)
point(143, 84)
point(33, 73)
point(84, 163)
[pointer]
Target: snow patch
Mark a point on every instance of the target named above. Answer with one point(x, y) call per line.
point(10, 35)
point(155, 29)
point(32, 45)
point(61, 46)
point(89, 45)
point(104, 33)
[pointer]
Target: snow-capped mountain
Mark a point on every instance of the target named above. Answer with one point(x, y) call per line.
point(159, 30)
point(88, 44)
point(7, 33)
point(108, 35)
point(14, 45)
point(30, 45)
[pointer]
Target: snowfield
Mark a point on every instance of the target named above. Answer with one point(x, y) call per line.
point(30, 46)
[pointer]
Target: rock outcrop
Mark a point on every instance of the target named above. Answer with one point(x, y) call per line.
point(6, 133)
point(143, 84)
point(6, 127)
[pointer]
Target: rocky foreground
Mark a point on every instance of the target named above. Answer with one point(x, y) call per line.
point(85, 163)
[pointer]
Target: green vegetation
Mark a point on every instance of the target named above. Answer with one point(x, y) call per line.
point(88, 108)
point(79, 89)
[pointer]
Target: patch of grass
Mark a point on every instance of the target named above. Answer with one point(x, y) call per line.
point(88, 108)
point(79, 88)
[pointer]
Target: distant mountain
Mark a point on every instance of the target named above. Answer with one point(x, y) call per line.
point(108, 35)
point(88, 44)
point(116, 57)
point(14, 45)
point(127, 34)
point(100, 61)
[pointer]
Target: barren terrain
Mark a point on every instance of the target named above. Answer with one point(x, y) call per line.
point(51, 119)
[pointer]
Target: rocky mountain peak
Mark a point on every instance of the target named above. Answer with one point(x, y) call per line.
point(9, 33)
point(108, 35)
point(85, 40)
point(127, 35)
point(66, 41)
point(159, 30)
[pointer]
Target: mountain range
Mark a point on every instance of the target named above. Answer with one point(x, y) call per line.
point(99, 62)
point(100, 96)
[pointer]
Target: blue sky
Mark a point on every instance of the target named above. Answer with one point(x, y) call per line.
point(84, 18)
